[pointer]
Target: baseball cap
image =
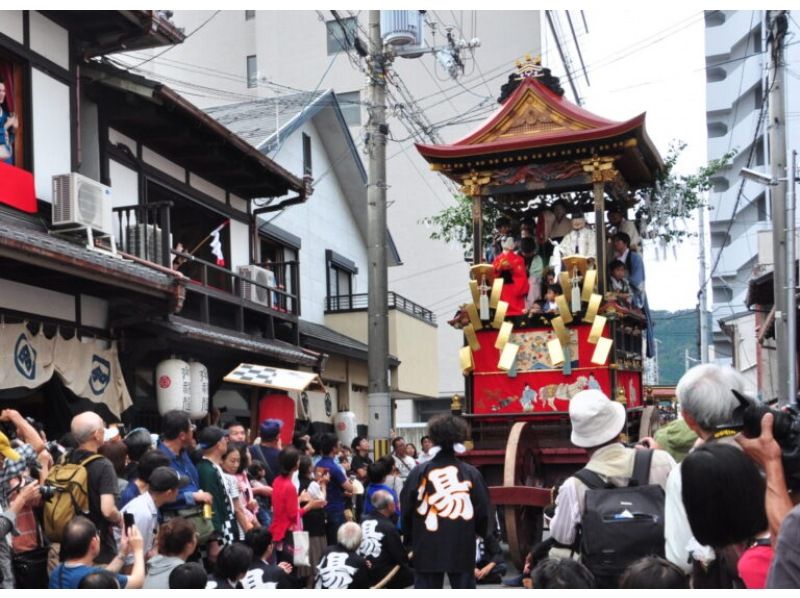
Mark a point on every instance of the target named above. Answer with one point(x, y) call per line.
point(6, 450)
point(209, 436)
point(270, 428)
point(165, 478)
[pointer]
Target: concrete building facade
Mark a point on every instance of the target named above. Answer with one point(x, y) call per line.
point(737, 117)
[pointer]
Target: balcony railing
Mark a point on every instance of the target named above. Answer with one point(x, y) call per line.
point(360, 302)
point(146, 232)
point(215, 278)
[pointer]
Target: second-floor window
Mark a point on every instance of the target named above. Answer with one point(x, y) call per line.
point(340, 273)
point(341, 34)
point(249, 15)
point(252, 71)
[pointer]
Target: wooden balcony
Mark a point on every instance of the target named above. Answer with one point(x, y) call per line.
point(215, 295)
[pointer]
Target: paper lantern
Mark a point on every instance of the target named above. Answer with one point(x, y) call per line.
point(173, 385)
point(198, 404)
point(345, 424)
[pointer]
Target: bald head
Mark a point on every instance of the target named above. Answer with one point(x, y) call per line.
point(85, 425)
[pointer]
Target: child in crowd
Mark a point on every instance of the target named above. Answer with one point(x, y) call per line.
point(620, 289)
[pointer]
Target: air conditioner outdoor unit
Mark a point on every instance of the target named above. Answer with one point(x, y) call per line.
point(255, 293)
point(80, 201)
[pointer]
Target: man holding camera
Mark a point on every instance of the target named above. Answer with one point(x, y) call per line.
point(707, 404)
point(32, 453)
point(784, 519)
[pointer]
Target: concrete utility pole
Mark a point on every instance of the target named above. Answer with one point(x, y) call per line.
point(701, 294)
point(778, 24)
point(791, 283)
point(380, 403)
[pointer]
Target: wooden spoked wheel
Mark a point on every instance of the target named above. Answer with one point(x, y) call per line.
point(524, 524)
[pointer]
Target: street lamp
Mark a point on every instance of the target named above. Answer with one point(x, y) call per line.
point(757, 177)
point(790, 317)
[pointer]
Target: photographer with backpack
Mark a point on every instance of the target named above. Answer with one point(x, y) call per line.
point(84, 483)
point(612, 509)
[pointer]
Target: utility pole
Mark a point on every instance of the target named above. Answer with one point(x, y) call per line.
point(701, 294)
point(380, 403)
point(791, 283)
point(778, 25)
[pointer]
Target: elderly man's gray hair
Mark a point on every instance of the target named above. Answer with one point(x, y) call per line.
point(349, 535)
point(381, 500)
point(704, 393)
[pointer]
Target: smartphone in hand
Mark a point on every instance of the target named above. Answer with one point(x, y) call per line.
point(127, 521)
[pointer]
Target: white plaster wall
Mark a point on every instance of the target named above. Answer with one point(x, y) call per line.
point(49, 40)
point(89, 151)
point(94, 311)
point(36, 300)
point(207, 187)
point(124, 184)
point(167, 166)
point(11, 24)
point(240, 245)
point(115, 137)
point(238, 203)
point(323, 222)
point(51, 132)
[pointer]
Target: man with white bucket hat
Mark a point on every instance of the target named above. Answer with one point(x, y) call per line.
point(597, 423)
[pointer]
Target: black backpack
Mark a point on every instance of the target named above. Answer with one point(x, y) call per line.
point(621, 524)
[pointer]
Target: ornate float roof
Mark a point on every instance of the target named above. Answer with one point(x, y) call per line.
point(535, 124)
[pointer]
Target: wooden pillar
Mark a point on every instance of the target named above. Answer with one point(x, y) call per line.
point(472, 186)
point(600, 235)
point(477, 230)
point(601, 168)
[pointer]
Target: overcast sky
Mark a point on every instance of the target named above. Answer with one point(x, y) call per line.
point(650, 60)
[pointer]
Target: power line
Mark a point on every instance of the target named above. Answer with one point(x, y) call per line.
point(165, 50)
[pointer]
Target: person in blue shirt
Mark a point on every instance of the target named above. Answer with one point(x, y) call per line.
point(81, 545)
point(176, 439)
point(337, 487)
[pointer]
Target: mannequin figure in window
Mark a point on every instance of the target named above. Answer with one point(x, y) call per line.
point(8, 128)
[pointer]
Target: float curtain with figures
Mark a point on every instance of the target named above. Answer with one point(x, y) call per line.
point(534, 384)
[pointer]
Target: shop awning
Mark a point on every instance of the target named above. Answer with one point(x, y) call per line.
point(270, 377)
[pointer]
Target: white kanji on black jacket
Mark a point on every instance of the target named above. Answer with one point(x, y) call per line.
point(444, 505)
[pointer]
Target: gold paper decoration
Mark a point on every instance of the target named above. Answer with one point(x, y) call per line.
point(589, 280)
point(465, 357)
point(476, 294)
point(561, 331)
point(472, 338)
point(556, 352)
point(503, 335)
point(563, 309)
point(497, 290)
point(472, 312)
point(600, 354)
point(500, 314)
point(507, 357)
point(591, 309)
point(597, 329)
point(564, 281)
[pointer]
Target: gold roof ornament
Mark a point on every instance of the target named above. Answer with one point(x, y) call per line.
point(530, 67)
